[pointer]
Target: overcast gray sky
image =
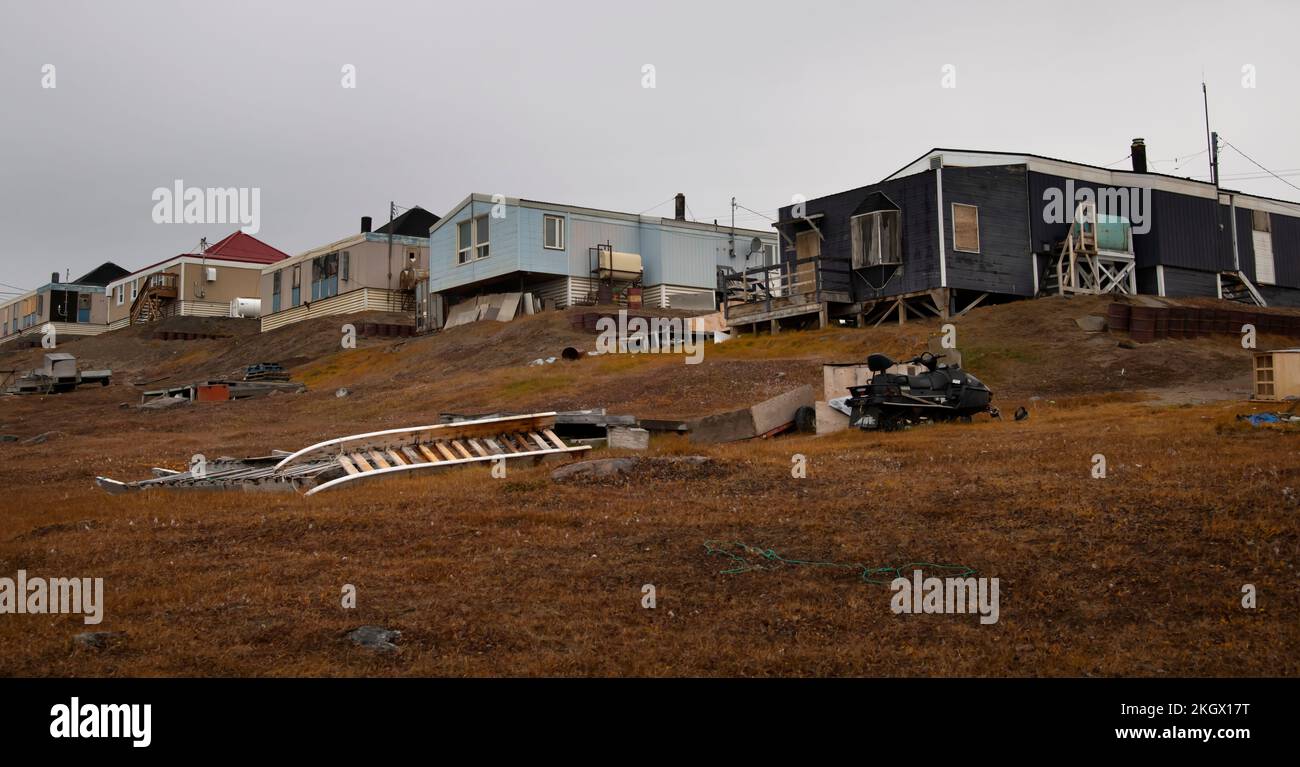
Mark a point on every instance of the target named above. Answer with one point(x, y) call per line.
point(757, 99)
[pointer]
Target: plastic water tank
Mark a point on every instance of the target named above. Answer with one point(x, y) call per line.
point(246, 308)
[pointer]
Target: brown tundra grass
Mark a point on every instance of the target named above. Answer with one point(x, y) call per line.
point(1140, 573)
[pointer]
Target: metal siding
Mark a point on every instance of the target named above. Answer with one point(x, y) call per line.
point(1279, 296)
point(1187, 232)
point(586, 232)
point(1190, 282)
point(1004, 263)
point(1286, 246)
point(1146, 247)
point(534, 256)
point(1245, 245)
point(677, 255)
point(915, 197)
point(503, 258)
point(1286, 249)
point(689, 258)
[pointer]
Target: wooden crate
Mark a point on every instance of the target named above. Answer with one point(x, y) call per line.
point(1276, 375)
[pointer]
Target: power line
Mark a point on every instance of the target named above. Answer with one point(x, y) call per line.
point(656, 205)
point(1261, 167)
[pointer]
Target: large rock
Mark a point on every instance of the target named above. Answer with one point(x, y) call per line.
point(376, 638)
point(1091, 323)
point(601, 467)
point(97, 640)
point(42, 438)
point(164, 403)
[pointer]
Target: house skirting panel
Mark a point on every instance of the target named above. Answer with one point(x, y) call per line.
point(352, 302)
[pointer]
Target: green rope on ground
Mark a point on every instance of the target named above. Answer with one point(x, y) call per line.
point(747, 559)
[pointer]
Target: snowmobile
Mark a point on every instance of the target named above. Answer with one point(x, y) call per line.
point(891, 400)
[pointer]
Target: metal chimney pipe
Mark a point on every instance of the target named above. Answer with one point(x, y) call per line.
point(365, 224)
point(1139, 153)
point(680, 212)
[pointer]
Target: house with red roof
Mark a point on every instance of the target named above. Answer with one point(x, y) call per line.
point(218, 280)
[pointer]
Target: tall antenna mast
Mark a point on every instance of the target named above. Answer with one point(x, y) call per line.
point(1209, 137)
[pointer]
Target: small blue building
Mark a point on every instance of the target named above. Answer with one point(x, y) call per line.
point(573, 255)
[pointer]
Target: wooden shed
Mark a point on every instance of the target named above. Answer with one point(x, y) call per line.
point(1276, 374)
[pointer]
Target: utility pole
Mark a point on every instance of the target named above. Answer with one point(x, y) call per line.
point(733, 227)
point(1214, 158)
point(392, 208)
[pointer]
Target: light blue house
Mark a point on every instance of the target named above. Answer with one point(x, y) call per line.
point(494, 244)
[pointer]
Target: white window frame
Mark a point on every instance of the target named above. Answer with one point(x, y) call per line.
point(559, 231)
point(135, 289)
point(479, 246)
point(464, 250)
point(976, 208)
point(120, 293)
point(472, 251)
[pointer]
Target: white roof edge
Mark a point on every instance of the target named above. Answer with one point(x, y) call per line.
point(188, 258)
point(583, 210)
point(1088, 173)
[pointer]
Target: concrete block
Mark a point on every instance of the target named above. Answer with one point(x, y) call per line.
point(723, 427)
point(780, 410)
point(830, 420)
point(628, 438)
point(836, 379)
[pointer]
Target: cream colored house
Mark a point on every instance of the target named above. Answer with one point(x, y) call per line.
point(192, 284)
point(361, 273)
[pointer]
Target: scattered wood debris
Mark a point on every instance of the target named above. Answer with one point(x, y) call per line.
point(340, 461)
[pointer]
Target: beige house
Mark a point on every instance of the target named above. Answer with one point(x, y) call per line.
point(208, 283)
point(369, 271)
point(76, 308)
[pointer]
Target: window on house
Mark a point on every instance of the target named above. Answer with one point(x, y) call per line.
point(464, 241)
point(135, 289)
point(295, 293)
point(965, 228)
point(345, 266)
point(481, 237)
point(275, 291)
point(472, 239)
point(120, 294)
point(877, 239)
point(325, 276)
point(553, 232)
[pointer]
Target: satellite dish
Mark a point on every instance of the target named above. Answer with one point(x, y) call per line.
point(755, 246)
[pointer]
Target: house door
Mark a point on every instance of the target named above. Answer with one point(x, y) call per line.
point(806, 245)
point(1262, 241)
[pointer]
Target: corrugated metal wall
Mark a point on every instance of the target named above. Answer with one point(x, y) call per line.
point(1004, 263)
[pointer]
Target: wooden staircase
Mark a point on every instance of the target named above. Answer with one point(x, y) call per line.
point(150, 304)
point(1236, 286)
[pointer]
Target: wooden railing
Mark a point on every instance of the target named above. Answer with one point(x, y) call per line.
point(762, 284)
point(158, 287)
